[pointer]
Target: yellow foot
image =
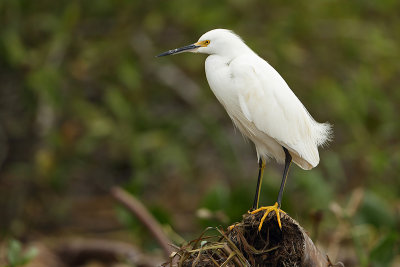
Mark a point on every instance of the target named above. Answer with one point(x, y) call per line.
point(232, 226)
point(268, 209)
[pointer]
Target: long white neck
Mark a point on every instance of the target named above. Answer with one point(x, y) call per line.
point(233, 51)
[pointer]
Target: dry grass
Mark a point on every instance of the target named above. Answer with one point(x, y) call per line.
point(244, 245)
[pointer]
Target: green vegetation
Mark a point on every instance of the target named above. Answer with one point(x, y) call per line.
point(17, 257)
point(85, 105)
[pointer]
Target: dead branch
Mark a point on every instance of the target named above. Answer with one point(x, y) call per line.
point(137, 209)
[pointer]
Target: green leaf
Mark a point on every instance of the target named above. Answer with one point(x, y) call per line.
point(385, 250)
point(376, 210)
point(14, 251)
point(16, 256)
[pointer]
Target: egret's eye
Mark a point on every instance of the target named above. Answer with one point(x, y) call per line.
point(203, 43)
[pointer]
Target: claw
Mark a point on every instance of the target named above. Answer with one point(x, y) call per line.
point(268, 209)
point(232, 226)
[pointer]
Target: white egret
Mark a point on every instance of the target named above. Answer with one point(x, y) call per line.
point(261, 105)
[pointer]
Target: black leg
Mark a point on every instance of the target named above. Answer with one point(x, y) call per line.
point(261, 166)
point(288, 161)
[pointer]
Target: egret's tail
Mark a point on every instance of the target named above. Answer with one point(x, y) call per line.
point(306, 154)
point(323, 133)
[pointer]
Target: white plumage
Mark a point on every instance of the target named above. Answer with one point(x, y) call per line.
point(259, 101)
point(261, 105)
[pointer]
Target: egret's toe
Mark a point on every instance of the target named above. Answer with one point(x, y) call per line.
point(268, 209)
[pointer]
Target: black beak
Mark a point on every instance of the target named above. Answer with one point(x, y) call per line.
point(179, 50)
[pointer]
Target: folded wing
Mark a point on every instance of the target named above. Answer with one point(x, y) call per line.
point(267, 101)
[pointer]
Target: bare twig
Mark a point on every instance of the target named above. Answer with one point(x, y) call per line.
point(137, 208)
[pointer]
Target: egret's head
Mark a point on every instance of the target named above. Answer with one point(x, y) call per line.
point(218, 41)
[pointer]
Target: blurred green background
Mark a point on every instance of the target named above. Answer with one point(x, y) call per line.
point(85, 105)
